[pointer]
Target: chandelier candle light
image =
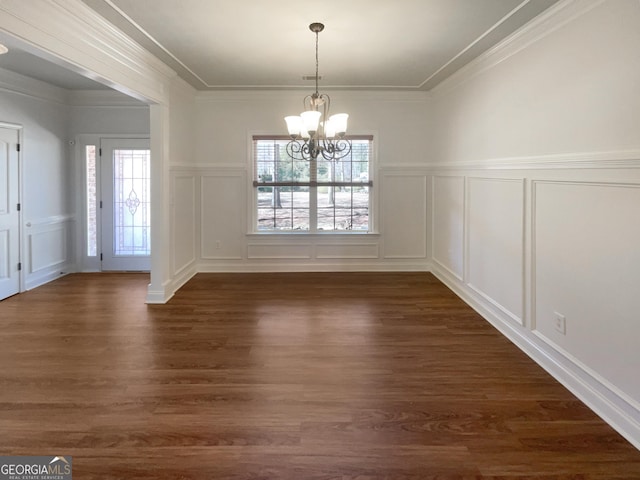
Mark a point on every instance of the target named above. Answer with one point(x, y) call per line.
point(314, 132)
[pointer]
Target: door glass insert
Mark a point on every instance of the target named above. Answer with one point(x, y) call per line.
point(92, 201)
point(131, 202)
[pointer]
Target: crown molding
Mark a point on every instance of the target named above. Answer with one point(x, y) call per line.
point(69, 33)
point(540, 27)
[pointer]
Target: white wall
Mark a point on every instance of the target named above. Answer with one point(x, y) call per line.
point(536, 187)
point(93, 117)
point(47, 212)
point(184, 182)
point(225, 123)
point(573, 90)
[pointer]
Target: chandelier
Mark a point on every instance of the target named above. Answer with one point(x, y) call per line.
point(314, 132)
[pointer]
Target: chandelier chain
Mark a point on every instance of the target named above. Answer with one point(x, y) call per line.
point(317, 63)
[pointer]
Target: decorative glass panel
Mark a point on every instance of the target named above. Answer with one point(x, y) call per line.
point(92, 203)
point(131, 203)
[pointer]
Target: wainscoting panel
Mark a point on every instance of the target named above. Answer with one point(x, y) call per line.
point(562, 242)
point(47, 249)
point(347, 250)
point(404, 214)
point(227, 243)
point(4, 254)
point(495, 242)
point(184, 221)
point(278, 251)
point(587, 264)
point(4, 177)
point(448, 223)
point(223, 197)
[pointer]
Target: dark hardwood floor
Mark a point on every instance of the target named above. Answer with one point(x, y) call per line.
point(286, 376)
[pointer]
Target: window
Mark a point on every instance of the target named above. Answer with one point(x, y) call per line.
point(311, 196)
point(92, 201)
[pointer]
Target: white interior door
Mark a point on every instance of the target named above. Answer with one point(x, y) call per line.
point(9, 214)
point(126, 204)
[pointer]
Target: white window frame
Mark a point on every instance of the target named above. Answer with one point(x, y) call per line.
point(253, 194)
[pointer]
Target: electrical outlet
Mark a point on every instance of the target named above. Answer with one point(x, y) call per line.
point(218, 245)
point(560, 323)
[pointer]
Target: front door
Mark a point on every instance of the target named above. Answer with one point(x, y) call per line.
point(9, 214)
point(126, 204)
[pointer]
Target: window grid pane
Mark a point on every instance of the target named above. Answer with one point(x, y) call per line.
point(283, 208)
point(341, 198)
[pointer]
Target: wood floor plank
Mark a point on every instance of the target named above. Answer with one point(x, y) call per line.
point(286, 376)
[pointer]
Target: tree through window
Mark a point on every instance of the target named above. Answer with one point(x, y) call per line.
point(311, 196)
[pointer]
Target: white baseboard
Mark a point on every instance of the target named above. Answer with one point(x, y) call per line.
point(170, 287)
point(42, 277)
point(280, 266)
point(604, 401)
point(158, 296)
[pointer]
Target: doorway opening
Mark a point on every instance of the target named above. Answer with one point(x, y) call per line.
point(117, 174)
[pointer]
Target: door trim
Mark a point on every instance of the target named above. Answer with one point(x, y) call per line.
point(111, 261)
point(19, 128)
point(86, 263)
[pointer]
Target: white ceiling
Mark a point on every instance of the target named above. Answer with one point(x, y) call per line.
point(24, 60)
point(266, 44)
point(366, 44)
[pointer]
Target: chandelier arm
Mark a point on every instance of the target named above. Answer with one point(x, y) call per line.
point(327, 154)
point(327, 108)
point(295, 149)
point(333, 150)
point(307, 103)
point(307, 150)
point(342, 148)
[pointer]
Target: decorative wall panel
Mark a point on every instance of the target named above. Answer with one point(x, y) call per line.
point(223, 222)
point(448, 223)
point(587, 261)
point(404, 214)
point(495, 236)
